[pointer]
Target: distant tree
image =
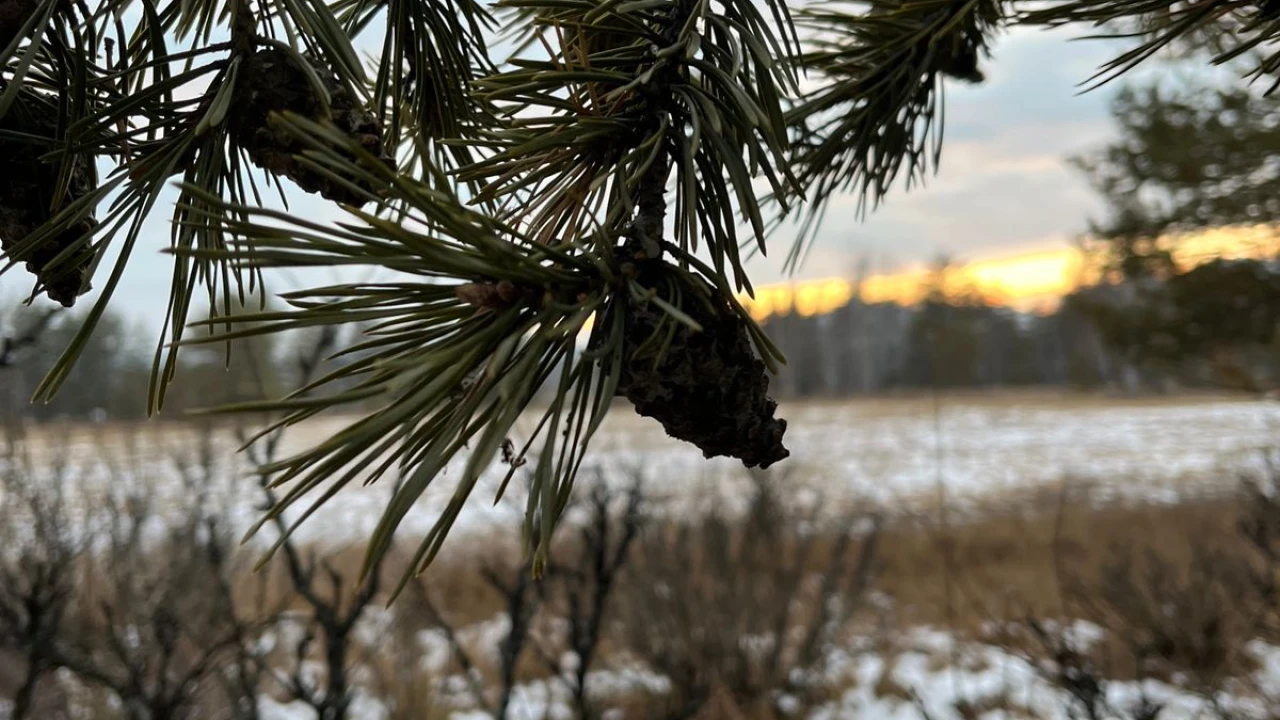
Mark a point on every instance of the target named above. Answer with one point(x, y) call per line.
point(234, 370)
point(1190, 156)
point(943, 342)
point(805, 344)
point(1214, 323)
point(113, 384)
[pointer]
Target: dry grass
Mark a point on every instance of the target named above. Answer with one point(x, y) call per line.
point(886, 686)
point(1010, 562)
point(1180, 590)
point(1037, 559)
point(1041, 555)
point(1032, 560)
point(998, 705)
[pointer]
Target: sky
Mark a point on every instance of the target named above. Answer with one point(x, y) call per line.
point(1003, 187)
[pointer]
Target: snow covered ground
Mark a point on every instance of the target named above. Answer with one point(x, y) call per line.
point(980, 676)
point(898, 454)
point(926, 673)
point(892, 452)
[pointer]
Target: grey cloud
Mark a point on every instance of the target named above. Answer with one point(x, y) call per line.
point(1003, 183)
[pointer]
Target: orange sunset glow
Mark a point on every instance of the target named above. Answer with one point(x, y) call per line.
point(1032, 282)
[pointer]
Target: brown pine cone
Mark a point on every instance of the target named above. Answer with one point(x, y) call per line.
point(271, 80)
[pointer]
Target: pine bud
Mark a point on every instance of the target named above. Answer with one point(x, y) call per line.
point(491, 296)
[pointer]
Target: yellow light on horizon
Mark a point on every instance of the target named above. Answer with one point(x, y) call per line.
point(1026, 279)
point(805, 298)
point(1033, 282)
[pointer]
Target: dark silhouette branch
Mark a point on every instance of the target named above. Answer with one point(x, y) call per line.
point(28, 337)
point(328, 617)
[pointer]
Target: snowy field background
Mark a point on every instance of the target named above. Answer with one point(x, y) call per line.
point(900, 454)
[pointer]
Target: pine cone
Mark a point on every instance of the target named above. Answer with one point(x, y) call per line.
point(710, 388)
point(13, 15)
point(958, 54)
point(27, 198)
point(271, 80)
point(962, 61)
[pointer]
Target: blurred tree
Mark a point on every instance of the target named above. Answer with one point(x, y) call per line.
point(111, 386)
point(236, 370)
point(1190, 157)
point(1220, 316)
point(1186, 158)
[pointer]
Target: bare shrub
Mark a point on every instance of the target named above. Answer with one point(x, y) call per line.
point(39, 572)
point(1192, 621)
point(1189, 613)
point(132, 606)
point(1182, 609)
point(587, 573)
point(330, 601)
point(544, 618)
point(137, 595)
point(164, 621)
point(745, 608)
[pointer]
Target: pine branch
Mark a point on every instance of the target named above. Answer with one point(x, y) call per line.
point(876, 114)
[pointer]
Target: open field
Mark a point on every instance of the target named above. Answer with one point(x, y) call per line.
point(996, 556)
point(903, 454)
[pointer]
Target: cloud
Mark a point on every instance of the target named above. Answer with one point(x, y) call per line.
point(1003, 184)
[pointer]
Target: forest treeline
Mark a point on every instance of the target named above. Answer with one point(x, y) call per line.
point(963, 342)
point(949, 342)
